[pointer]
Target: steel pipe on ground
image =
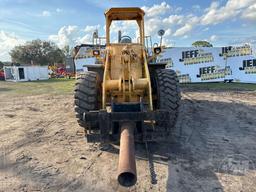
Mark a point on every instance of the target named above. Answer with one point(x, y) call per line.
point(127, 167)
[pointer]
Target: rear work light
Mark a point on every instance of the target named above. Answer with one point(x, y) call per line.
point(157, 50)
point(96, 52)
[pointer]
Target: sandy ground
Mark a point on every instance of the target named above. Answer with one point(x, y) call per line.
point(212, 149)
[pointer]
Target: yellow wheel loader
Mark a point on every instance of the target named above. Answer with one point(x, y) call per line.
point(127, 98)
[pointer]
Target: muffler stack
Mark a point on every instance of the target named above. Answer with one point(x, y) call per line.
point(127, 167)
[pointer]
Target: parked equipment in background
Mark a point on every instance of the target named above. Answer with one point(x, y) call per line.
point(62, 70)
point(2, 74)
point(125, 97)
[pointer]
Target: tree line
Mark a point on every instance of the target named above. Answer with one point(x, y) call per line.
point(39, 52)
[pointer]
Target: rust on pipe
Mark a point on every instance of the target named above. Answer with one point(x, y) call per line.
point(127, 167)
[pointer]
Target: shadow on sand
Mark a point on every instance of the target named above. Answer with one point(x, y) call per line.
point(210, 138)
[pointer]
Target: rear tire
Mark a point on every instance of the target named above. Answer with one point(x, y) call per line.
point(87, 95)
point(168, 94)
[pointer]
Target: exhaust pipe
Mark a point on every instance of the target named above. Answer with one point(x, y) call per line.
point(119, 36)
point(127, 167)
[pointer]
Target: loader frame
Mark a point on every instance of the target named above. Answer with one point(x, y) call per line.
point(116, 101)
point(134, 81)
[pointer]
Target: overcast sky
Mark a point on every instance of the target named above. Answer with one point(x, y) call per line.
point(223, 22)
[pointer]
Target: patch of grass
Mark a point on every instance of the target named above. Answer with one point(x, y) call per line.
point(220, 86)
point(54, 86)
point(66, 86)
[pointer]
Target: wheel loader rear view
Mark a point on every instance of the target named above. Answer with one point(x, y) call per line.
point(126, 98)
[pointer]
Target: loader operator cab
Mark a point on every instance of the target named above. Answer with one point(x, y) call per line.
point(125, 14)
point(135, 17)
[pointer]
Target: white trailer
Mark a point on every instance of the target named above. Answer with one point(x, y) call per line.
point(25, 73)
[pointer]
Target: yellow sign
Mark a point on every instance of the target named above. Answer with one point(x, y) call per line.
point(184, 78)
point(236, 51)
point(213, 72)
point(249, 66)
point(250, 70)
point(166, 60)
point(196, 57)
